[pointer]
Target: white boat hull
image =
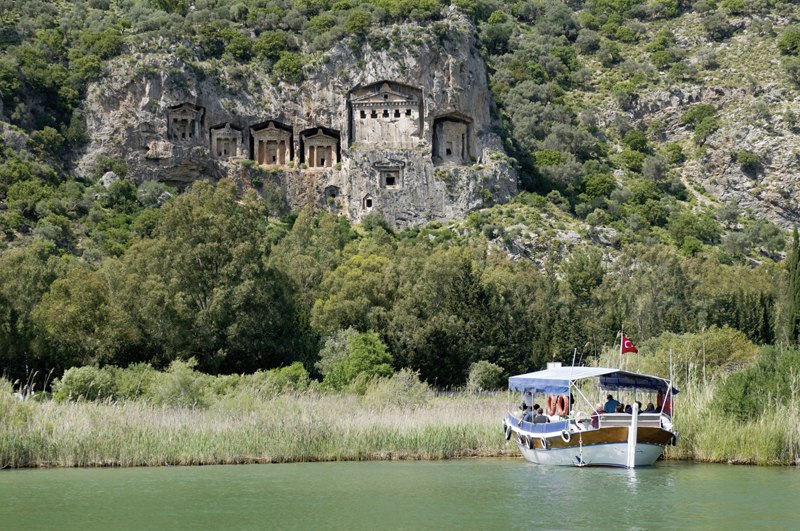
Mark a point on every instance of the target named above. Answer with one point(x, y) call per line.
point(605, 454)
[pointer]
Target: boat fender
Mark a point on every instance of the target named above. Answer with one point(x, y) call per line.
point(552, 401)
point(565, 436)
point(545, 443)
point(508, 432)
point(521, 439)
point(562, 405)
point(530, 443)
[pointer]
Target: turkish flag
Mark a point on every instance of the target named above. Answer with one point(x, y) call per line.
point(628, 346)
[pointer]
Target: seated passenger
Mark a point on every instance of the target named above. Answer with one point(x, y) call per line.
point(628, 409)
point(527, 415)
point(640, 406)
point(650, 408)
point(611, 405)
point(619, 409)
point(540, 418)
point(598, 410)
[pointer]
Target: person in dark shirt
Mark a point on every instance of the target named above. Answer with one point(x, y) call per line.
point(611, 405)
point(540, 418)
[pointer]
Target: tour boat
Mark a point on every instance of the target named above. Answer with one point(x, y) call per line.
point(584, 436)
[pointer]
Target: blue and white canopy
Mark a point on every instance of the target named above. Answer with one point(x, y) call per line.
point(556, 381)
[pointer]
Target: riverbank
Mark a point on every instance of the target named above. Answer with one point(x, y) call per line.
point(296, 427)
point(315, 425)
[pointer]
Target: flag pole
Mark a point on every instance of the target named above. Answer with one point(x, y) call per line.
point(621, 340)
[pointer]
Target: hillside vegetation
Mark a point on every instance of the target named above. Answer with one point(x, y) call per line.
point(646, 203)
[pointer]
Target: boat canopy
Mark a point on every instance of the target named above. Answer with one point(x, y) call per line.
point(556, 381)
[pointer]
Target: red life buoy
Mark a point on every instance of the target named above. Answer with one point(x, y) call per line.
point(552, 400)
point(562, 405)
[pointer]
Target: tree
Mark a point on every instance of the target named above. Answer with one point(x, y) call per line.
point(79, 323)
point(793, 272)
point(366, 358)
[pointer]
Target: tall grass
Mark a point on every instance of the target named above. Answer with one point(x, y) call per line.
point(300, 426)
point(707, 434)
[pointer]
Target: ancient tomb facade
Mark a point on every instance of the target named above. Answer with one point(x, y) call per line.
point(226, 142)
point(320, 147)
point(272, 143)
point(385, 114)
point(390, 173)
point(452, 139)
point(185, 122)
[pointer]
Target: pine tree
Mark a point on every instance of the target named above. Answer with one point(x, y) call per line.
point(794, 290)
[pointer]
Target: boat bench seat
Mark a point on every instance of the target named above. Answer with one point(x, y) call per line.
point(623, 420)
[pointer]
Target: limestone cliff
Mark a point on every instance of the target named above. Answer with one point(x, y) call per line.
point(409, 130)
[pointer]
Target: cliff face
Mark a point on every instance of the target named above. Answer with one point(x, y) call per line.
point(408, 130)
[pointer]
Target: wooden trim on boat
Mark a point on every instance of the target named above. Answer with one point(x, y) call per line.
point(604, 436)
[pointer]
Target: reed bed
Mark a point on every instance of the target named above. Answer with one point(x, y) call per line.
point(317, 426)
point(707, 435)
point(308, 426)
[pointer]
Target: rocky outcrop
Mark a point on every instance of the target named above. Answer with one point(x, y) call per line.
point(414, 125)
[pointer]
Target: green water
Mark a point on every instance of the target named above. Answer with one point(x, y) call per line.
point(465, 494)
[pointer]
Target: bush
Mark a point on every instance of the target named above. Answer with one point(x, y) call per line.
point(717, 26)
point(358, 22)
point(747, 394)
point(748, 161)
point(704, 129)
point(88, 383)
point(270, 383)
point(484, 375)
point(270, 44)
point(636, 140)
point(181, 386)
point(697, 113)
point(366, 358)
point(289, 66)
point(663, 59)
point(789, 41)
point(404, 389)
point(792, 67)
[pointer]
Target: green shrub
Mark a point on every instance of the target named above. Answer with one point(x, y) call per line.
point(289, 66)
point(484, 375)
point(358, 22)
point(88, 383)
point(636, 140)
point(792, 67)
point(270, 44)
point(273, 382)
point(663, 59)
point(366, 358)
point(704, 129)
point(748, 161)
point(181, 386)
point(631, 160)
point(404, 389)
point(747, 394)
point(548, 157)
point(673, 152)
point(789, 41)
point(697, 113)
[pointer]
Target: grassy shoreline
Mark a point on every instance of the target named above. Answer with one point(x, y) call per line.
point(290, 428)
point(317, 426)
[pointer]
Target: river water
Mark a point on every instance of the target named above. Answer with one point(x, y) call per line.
point(461, 494)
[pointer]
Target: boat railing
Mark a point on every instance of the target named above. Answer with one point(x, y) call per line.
point(623, 420)
point(547, 427)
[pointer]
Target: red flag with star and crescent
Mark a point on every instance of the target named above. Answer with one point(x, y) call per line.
point(628, 346)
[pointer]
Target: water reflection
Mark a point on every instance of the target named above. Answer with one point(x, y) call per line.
point(467, 494)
